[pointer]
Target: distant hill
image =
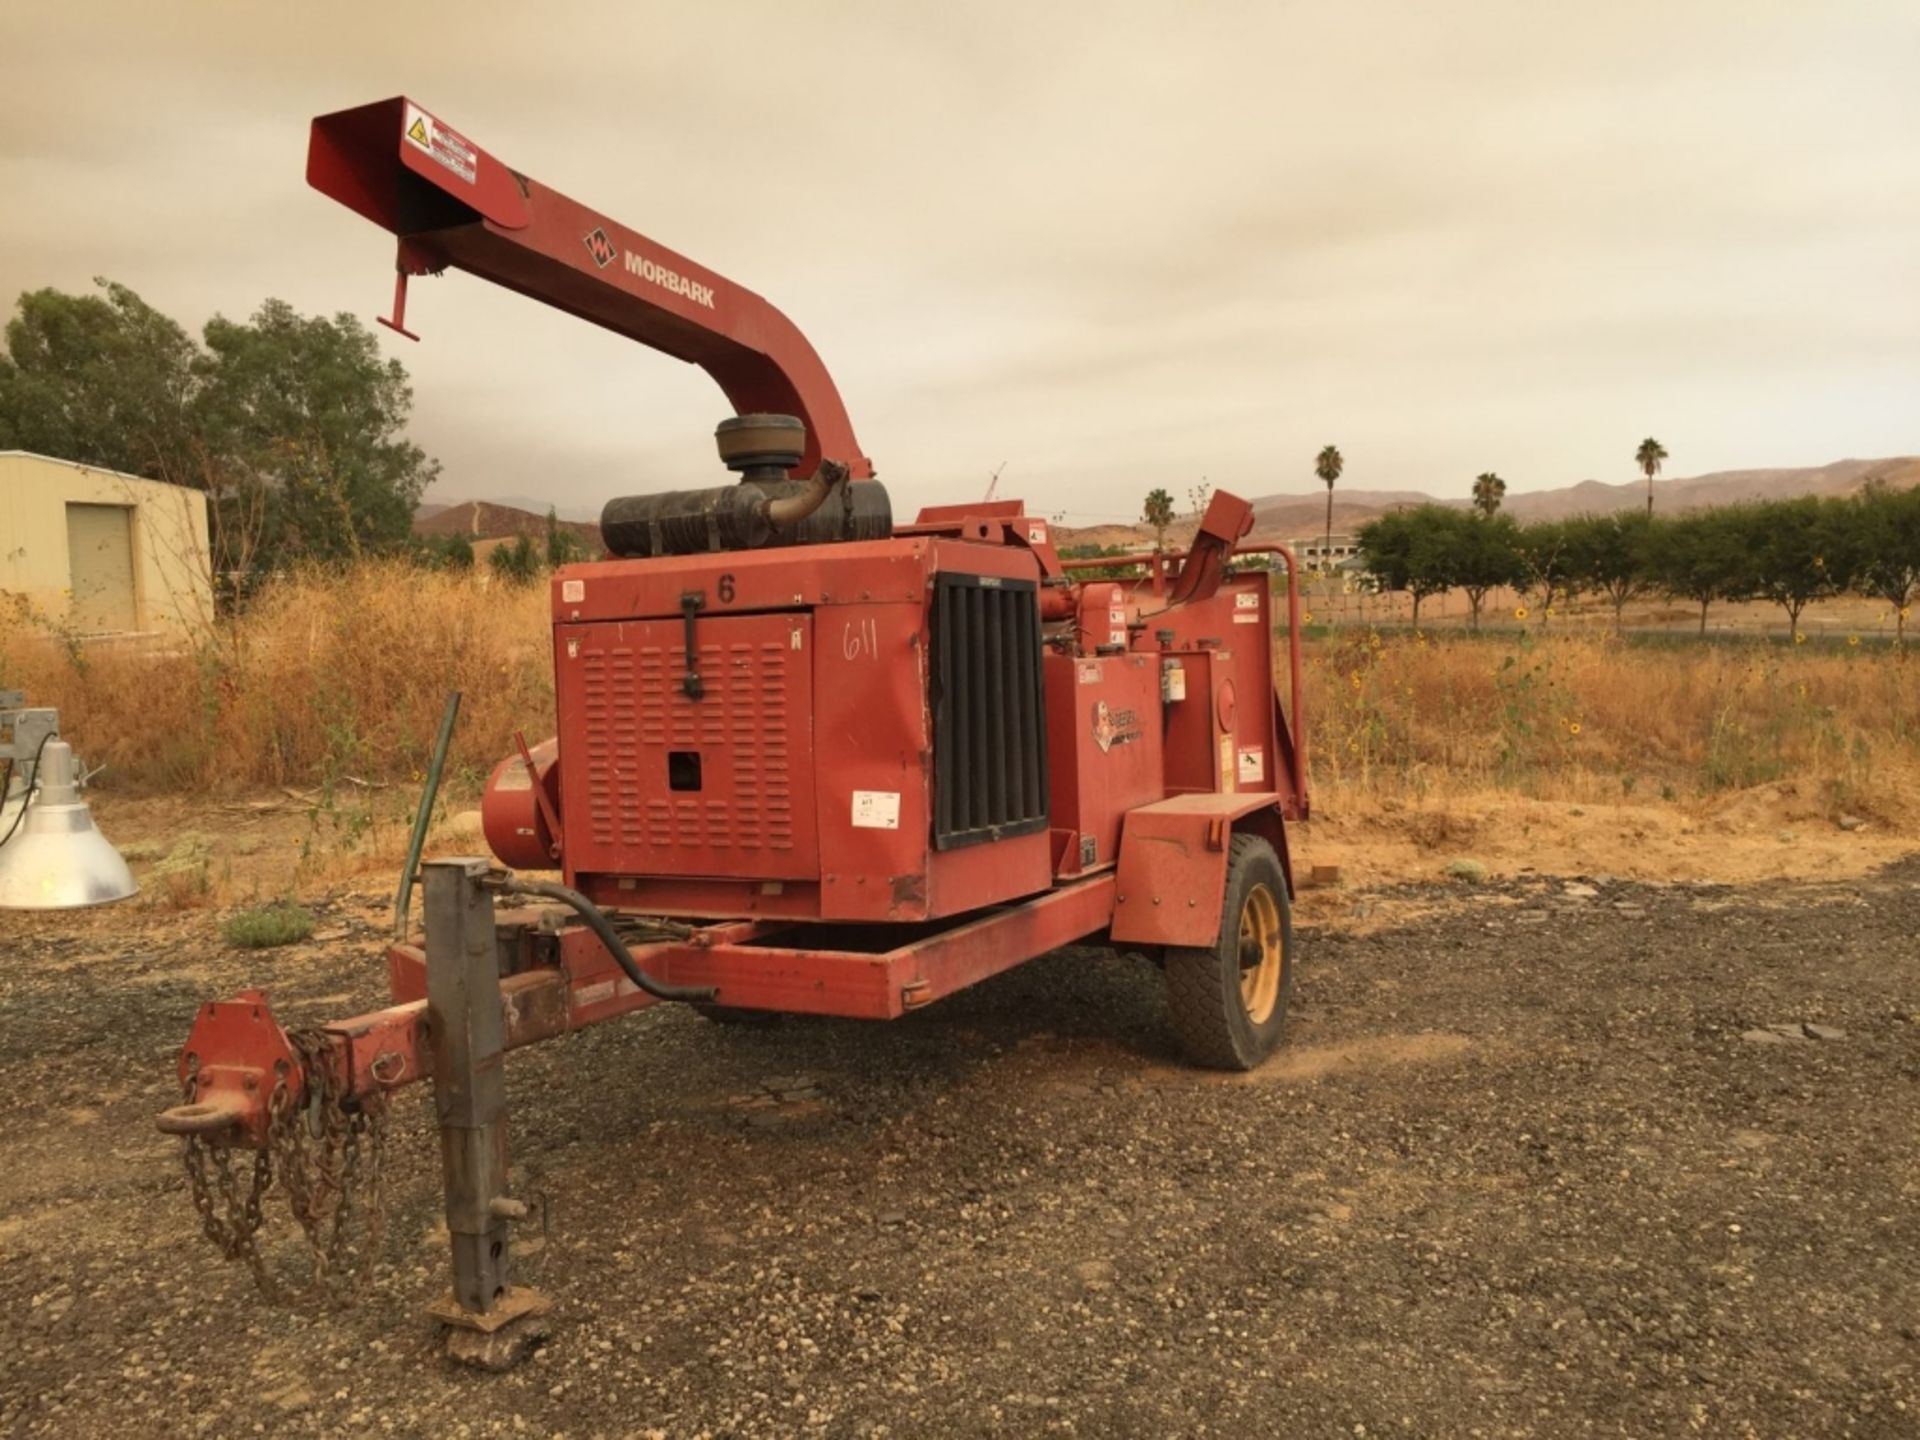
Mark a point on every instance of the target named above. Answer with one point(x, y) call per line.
point(1724, 487)
point(1292, 516)
point(528, 503)
point(484, 520)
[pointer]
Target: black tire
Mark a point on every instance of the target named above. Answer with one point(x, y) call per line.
point(1228, 1003)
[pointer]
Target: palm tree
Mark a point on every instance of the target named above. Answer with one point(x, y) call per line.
point(1327, 465)
point(1648, 458)
point(1488, 491)
point(1159, 514)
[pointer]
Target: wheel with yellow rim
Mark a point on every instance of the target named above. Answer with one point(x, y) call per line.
point(1228, 1002)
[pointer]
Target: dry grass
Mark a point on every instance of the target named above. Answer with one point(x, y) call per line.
point(327, 676)
point(1580, 716)
point(330, 676)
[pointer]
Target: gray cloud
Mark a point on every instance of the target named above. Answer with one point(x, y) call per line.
point(1114, 245)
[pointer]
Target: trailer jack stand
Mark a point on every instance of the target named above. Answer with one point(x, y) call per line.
point(490, 1322)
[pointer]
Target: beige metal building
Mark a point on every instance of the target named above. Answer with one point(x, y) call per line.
point(103, 553)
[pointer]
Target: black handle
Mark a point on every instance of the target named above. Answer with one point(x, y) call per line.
point(690, 606)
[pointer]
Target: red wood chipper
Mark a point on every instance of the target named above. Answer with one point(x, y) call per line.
point(807, 760)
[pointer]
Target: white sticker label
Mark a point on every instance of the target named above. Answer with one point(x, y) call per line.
point(1116, 637)
point(1089, 672)
point(586, 995)
point(1226, 764)
point(876, 809)
point(573, 591)
point(1253, 765)
point(1245, 600)
point(1241, 617)
point(449, 147)
point(1036, 534)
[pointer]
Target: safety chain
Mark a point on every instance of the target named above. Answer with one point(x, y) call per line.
point(316, 1148)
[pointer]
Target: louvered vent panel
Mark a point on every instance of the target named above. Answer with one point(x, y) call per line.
point(989, 727)
point(628, 713)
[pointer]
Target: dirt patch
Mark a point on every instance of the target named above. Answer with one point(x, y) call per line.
point(1771, 833)
point(1376, 1052)
point(1518, 1171)
point(1301, 1064)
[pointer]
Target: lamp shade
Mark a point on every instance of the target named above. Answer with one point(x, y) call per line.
point(57, 858)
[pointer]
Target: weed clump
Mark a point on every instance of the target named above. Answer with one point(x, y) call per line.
point(260, 927)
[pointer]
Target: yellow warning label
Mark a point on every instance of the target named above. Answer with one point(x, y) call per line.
point(417, 132)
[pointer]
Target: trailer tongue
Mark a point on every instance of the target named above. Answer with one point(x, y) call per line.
point(808, 760)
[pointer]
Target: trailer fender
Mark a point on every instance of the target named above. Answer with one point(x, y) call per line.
point(1172, 874)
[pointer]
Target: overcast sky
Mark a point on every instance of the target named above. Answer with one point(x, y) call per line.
point(1114, 246)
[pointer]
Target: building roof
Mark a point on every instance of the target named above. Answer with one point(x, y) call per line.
point(86, 469)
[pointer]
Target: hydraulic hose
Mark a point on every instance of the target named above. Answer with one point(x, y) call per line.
point(598, 922)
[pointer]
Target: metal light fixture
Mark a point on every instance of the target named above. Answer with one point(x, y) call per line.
point(57, 859)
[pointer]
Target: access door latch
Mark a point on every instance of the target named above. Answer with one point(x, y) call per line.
point(691, 604)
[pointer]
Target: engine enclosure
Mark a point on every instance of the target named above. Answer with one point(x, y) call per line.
point(884, 731)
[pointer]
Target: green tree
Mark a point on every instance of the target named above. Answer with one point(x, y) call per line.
point(1159, 514)
point(1485, 556)
point(1699, 557)
point(1327, 465)
point(1547, 565)
point(1411, 551)
point(1386, 550)
point(1649, 457)
point(301, 411)
point(1488, 491)
point(1886, 524)
point(105, 380)
point(515, 561)
point(1608, 554)
point(1796, 551)
point(563, 546)
point(443, 552)
point(293, 425)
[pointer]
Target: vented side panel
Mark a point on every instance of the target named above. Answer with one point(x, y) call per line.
point(989, 732)
point(655, 782)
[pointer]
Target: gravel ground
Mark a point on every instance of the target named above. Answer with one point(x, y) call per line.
point(1524, 1169)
